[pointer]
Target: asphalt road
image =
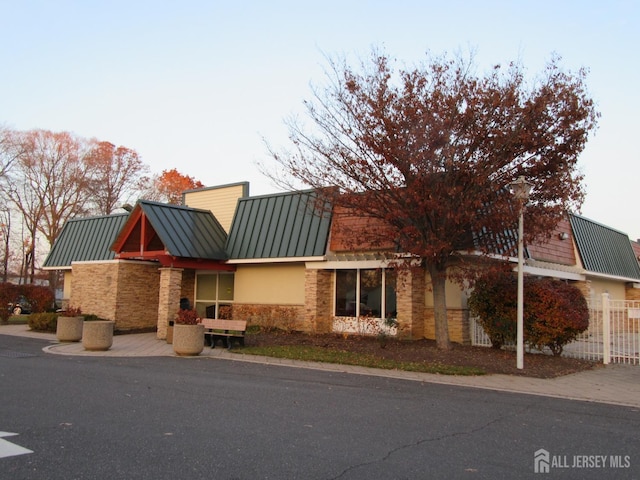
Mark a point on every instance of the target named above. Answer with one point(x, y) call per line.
point(193, 418)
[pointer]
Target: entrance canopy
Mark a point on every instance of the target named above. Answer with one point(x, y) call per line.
point(173, 235)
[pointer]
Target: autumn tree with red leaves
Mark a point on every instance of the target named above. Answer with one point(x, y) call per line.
point(429, 153)
point(117, 176)
point(169, 186)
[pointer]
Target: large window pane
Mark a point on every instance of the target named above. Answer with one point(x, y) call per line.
point(370, 293)
point(225, 290)
point(346, 293)
point(390, 294)
point(206, 286)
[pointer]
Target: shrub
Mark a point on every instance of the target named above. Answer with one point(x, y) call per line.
point(187, 317)
point(40, 297)
point(43, 322)
point(555, 314)
point(269, 318)
point(71, 312)
point(8, 294)
point(494, 301)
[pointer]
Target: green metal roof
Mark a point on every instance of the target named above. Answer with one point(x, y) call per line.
point(85, 239)
point(286, 225)
point(186, 232)
point(603, 249)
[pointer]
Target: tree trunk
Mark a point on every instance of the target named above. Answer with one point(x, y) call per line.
point(438, 282)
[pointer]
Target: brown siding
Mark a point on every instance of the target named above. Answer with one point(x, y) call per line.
point(554, 249)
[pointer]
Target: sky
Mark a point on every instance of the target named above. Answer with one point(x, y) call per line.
point(201, 85)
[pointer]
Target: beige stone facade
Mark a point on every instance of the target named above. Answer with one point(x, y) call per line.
point(318, 300)
point(119, 290)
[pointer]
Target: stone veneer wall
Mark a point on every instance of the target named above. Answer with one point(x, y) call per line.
point(318, 294)
point(410, 303)
point(168, 298)
point(458, 322)
point(188, 288)
point(123, 291)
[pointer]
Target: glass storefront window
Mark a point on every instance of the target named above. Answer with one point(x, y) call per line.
point(366, 285)
point(211, 290)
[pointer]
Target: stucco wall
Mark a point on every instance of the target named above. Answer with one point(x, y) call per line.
point(616, 290)
point(221, 201)
point(282, 284)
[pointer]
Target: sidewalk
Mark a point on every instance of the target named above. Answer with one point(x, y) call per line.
point(612, 384)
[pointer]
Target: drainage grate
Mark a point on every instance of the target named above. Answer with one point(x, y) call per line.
point(12, 354)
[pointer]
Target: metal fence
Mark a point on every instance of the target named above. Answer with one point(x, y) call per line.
point(613, 334)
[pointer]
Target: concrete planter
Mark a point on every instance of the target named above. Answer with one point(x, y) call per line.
point(97, 335)
point(188, 340)
point(69, 329)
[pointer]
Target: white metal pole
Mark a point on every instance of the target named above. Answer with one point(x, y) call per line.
point(520, 312)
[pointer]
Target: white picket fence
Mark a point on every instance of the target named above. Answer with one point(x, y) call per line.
point(613, 335)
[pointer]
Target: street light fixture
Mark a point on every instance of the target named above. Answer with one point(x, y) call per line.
point(521, 190)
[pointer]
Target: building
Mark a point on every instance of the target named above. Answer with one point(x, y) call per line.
point(284, 258)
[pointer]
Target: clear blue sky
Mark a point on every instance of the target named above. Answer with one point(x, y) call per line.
point(195, 85)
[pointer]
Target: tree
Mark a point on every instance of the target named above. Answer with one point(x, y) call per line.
point(429, 153)
point(48, 185)
point(117, 173)
point(169, 186)
point(9, 150)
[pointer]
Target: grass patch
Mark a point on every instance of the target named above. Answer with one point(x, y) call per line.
point(319, 354)
point(18, 320)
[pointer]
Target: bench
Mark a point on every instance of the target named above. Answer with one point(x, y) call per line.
point(226, 330)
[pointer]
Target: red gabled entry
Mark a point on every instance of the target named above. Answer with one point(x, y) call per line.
point(139, 241)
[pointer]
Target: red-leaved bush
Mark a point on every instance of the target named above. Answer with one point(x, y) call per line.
point(555, 312)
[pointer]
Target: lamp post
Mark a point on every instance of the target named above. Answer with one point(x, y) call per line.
point(521, 190)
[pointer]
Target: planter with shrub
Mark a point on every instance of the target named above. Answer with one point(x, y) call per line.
point(69, 327)
point(188, 333)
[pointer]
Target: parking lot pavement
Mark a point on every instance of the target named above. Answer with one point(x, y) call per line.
point(613, 384)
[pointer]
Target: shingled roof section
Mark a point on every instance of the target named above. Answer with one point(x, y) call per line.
point(286, 225)
point(184, 232)
point(603, 249)
point(85, 239)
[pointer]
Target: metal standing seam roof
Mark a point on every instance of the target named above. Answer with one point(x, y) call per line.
point(85, 239)
point(603, 249)
point(285, 225)
point(186, 232)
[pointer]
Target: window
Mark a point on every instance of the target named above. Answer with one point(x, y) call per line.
point(374, 289)
point(213, 290)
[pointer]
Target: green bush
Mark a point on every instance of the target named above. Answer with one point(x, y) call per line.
point(43, 322)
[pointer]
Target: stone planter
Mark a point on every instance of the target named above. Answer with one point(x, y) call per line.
point(188, 340)
point(97, 335)
point(69, 329)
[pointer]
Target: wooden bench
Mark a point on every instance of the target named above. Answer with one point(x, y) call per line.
point(226, 330)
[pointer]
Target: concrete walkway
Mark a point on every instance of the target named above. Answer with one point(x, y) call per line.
point(612, 384)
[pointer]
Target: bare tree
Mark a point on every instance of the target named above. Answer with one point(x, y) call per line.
point(117, 176)
point(427, 153)
point(48, 184)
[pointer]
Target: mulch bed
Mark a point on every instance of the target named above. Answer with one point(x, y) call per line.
point(488, 359)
